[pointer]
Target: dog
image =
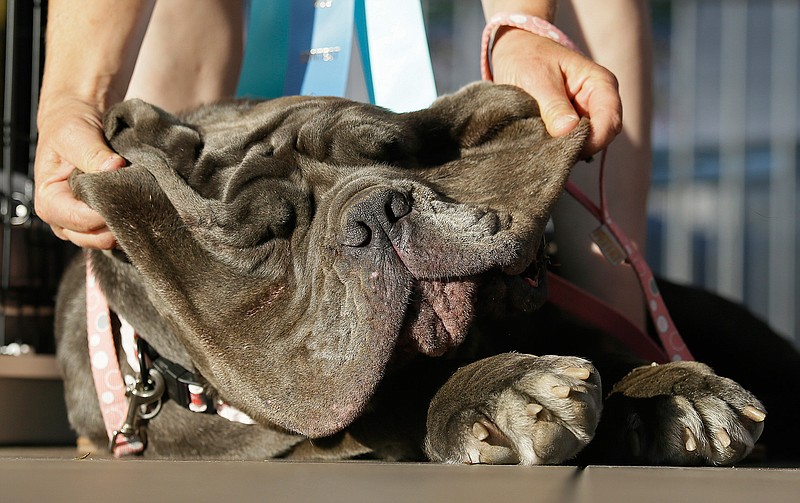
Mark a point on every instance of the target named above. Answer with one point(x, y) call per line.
point(365, 284)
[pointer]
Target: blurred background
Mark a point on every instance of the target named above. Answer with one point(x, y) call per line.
point(31, 257)
point(726, 130)
point(723, 205)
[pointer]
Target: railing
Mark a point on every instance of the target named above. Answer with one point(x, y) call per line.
point(724, 198)
point(31, 257)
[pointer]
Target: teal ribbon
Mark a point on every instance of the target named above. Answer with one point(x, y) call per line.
point(391, 37)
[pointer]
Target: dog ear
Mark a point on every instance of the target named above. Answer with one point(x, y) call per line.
point(139, 131)
point(507, 161)
point(161, 186)
point(474, 113)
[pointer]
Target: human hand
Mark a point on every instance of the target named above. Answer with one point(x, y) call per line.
point(566, 84)
point(71, 136)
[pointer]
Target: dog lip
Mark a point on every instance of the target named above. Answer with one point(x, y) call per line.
point(440, 316)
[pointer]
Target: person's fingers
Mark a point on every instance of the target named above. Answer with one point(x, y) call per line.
point(71, 137)
point(97, 157)
point(101, 240)
point(557, 111)
point(96, 235)
point(598, 98)
point(530, 62)
point(97, 238)
point(65, 211)
point(565, 84)
point(69, 218)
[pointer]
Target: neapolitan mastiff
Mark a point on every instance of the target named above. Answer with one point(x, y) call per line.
point(361, 283)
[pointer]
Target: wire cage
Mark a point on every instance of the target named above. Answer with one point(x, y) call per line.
point(31, 257)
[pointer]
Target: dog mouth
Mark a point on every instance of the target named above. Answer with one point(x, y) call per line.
point(528, 291)
point(441, 312)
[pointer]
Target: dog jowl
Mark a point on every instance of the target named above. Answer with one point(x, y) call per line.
point(360, 282)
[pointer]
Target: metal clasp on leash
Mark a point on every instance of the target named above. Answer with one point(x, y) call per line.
point(141, 395)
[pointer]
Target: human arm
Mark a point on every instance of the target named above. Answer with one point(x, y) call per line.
point(91, 50)
point(566, 84)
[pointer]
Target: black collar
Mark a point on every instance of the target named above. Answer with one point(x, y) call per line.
point(181, 385)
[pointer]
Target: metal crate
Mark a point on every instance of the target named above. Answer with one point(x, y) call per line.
point(31, 257)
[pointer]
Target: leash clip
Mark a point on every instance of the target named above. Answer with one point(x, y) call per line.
point(141, 395)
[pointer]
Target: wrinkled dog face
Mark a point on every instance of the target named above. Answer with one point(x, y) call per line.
point(297, 244)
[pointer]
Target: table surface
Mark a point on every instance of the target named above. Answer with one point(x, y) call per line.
point(64, 474)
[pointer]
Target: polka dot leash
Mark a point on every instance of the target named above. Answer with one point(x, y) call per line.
point(105, 368)
point(618, 248)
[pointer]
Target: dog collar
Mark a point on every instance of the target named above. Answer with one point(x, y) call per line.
point(187, 390)
point(127, 403)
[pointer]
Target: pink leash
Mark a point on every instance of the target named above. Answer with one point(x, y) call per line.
point(614, 243)
point(618, 248)
point(106, 372)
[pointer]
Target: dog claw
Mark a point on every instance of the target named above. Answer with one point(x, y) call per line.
point(723, 437)
point(561, 391)
point(577, 373)
point(754, 414)
point(689, 441)
point(533, 409)
point(480, 432)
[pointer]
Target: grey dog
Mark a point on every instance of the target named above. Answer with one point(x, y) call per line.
point(368, 284)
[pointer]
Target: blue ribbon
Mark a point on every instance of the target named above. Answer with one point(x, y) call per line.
point(319, 51)
point(391, 39)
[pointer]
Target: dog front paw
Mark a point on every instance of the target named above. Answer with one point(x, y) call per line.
point(682, 413)
point(514, 408)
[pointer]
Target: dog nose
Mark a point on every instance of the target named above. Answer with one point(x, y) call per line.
point(397, 206)
point(371, 215)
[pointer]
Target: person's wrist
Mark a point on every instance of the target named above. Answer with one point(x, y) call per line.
point(98, 93)
point(509, 40)
point(59, 105)
point(503, 29)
